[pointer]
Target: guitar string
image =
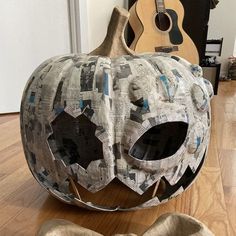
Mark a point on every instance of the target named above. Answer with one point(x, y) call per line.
point(159, 13)
point(159, 17)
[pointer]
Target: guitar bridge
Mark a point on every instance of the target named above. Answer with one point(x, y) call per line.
point(167, 49)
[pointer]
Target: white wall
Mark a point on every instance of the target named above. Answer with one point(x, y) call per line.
point(30, 32)
point(223, 24)
point(99, 13)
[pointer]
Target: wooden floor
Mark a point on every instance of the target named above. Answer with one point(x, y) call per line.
point(24, 205)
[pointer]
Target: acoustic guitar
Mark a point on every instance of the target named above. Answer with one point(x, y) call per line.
point(158, 28)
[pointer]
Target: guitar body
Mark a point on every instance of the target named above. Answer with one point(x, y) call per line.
point(161, 32)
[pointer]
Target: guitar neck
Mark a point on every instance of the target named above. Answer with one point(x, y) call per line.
point(160, 6)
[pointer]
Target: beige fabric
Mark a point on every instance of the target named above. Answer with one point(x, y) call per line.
point(59, 227)
point(166, 225)
point(178, 225)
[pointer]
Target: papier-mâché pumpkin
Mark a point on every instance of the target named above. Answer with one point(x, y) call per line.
point(88, 120)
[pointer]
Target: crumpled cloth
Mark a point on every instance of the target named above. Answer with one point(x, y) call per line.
point(171, 224)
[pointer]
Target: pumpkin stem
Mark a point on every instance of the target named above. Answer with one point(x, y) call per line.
point(114, 44)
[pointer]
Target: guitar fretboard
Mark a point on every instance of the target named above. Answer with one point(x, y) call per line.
point(160, 6)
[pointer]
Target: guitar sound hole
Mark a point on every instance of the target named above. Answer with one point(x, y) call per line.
point(162, 21)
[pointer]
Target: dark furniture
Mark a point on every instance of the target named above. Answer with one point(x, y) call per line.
point(195, 23)
point(211, 68)
point(214, 47)
point(211, 72)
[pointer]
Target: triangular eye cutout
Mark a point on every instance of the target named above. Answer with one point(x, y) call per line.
point(160, 141)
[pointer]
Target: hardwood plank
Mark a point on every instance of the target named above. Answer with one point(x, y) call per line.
point(230, 199)
point(8, 117)
point(228, 167)
point(225, 120)
point(13, 180)
point(13, 160)
point(10, 133)
point(212, 153)
point(7, 169)
point(224, 115)
point(11, 151)
point(18, 200)
point(208, 204)
point(17, 226)
point(228, 136)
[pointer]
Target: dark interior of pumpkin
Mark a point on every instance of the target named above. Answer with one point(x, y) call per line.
point(160, 141)
point(74, 140)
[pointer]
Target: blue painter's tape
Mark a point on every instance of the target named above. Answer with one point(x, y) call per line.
point(81, 104)
point(106, 84)
point(145, 105)
point(165, 83)
point(177, 75)
point(198, 141)
point(58, 110)
point(32, 97)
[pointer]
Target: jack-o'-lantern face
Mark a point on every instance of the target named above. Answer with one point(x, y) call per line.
point(142, 120)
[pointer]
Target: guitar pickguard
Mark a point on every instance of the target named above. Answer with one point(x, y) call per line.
point(176, 37)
